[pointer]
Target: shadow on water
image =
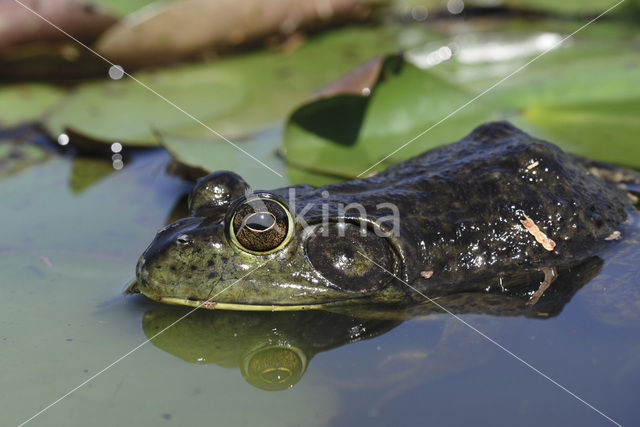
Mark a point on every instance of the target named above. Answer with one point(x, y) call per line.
point(273, 349)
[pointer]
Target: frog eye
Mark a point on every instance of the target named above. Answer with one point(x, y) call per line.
point(259, 224)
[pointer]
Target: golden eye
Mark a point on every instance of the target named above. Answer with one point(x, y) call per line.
point(259, 224)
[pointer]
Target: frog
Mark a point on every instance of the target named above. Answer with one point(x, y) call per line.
point(499, 209)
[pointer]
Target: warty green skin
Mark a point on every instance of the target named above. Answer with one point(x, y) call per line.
point(460, 205)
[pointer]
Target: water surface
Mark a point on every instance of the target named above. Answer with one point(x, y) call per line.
point(66, 255)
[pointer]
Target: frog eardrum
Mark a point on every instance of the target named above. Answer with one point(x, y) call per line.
point(259, 224)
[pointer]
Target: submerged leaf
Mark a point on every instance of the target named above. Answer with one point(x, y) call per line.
point(16, 155)
point(87, 171)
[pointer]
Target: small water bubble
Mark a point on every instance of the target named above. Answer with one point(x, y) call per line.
point(116, 72)
point(116, 147)
point(455, 6)
point(118, 164)
point(116, 157)
point(419, 13)
point(444, 53)
point(366, 91)
point(63, 139)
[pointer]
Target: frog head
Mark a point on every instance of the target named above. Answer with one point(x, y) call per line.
point(249, 250)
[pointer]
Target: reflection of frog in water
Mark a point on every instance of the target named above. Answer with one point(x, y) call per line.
point(272, 350)
point(486, 214)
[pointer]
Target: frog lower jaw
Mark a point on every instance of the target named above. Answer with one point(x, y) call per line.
point(214, 305)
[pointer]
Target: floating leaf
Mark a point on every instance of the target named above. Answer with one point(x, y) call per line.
point(26, 102)
point(214, 154)
point(149, 36)
point(235, 96)
point(76, 17)
point(123, 7)
point(605, 131)
point(344, 134)
point(569, 7)
point(16, 155)
point(557, 96)
point(127, 112)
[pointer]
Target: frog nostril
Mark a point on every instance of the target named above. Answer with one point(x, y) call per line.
point(183, 240)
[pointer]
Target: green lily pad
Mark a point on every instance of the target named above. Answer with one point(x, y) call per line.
point(606, 131)
point(26, 103)
point(235, 96)
point(582, 97)
point(123, 7)
point(265, 170)
point(127, 112)
point(570, 7)
point(343, 135)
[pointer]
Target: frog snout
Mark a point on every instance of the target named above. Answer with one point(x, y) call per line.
point(180, 251)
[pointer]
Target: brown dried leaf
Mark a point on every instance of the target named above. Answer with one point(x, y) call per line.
point(171, 31)
point(359, 81)
point(81, 19)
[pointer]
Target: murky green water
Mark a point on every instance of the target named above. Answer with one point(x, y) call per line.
point(65, 256)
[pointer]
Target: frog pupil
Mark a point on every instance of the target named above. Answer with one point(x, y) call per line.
point(260, 221)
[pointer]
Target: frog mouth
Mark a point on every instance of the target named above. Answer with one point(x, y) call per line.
point(214, 305)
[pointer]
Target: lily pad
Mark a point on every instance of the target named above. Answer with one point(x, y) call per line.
point(583, 97)
point(568, 7)
point(26, 102)
point(265, 170)
point(607, 131)
point(79, 18)
point(343, 135)
point(127, 112)
point(123, 7)
point(234, 96)
point(150, 37)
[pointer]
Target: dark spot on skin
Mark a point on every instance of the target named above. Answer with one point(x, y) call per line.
point(210, 263)
point(68, 339)
point(85, 371)
point(212, 276)
point(166, 416)
point(192, 299)
point(193, 268)
point(173, 268)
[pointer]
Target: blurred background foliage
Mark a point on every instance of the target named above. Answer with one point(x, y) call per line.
point(284, 80)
